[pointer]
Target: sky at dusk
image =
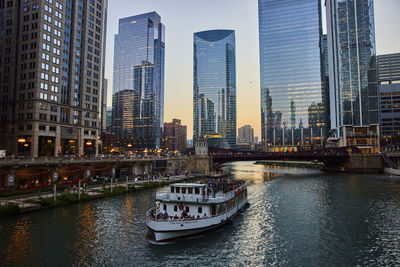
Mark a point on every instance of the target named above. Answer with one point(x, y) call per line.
point(184, 17)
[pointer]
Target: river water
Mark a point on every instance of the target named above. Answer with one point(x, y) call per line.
point(296, 217)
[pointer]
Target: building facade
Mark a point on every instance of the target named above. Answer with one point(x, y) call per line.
point(122, 115)
point(108, 117)
point(103, 113)
point(389, 89)
point(246, 135)
point(354, 105)
point(214, 85)
point(293, 98)
point(175, 135)
point(139, 66)
point(51, 62)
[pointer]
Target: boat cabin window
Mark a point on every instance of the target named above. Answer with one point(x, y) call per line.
point(200, 210)
point(197, 190)
point(187, 209)
point(183, 189)
point(172, 189)
point(165, 207)
point(190, 190)
point(175, 208)
point(177, 190)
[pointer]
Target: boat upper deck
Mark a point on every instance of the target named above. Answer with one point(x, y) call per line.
point(206, 191)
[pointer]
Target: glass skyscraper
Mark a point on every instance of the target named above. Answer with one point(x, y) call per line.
point(293, 102)
point(352, 73)
point(139, 66)
point(389, 89)
point(214, 85)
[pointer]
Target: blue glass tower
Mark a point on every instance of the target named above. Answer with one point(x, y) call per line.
point(139, 66)
point(293, 102)
point(214, 85)
point(352, 73)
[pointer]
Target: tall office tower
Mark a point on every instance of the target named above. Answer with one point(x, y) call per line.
point(389, 89)
point(139, 66)
point(104, 91)
point(325, 76)
point(51, 76)
point(293, 101)
point(122, 115)
point(103, 113)
point(246, 134)
point(214, 85)
point(354, 107)
point(175, 136)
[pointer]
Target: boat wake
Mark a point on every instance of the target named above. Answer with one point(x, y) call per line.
point(153, 242)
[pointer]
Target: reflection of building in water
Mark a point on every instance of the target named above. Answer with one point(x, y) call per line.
point(87, 235)
point(290, 72)
point(19, 250)
point(127, 214)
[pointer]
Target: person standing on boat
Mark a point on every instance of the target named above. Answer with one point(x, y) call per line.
point(165, 216)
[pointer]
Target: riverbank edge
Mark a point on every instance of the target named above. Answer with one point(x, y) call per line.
point(298, 164)
point(12, 209)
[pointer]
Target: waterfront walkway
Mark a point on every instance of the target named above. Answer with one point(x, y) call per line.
point(94, 191)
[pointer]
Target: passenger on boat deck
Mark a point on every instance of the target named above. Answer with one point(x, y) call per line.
point(160, 215)
point(151, 213)
point(184, 213)
point(165, 216)
point(205, 215)
point(176, 217)
point(198, 216)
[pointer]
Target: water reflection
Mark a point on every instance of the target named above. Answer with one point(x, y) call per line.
point(297, 217)
point(20, 244)
point(86, 235)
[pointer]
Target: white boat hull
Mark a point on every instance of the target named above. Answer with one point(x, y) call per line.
point(166, 230)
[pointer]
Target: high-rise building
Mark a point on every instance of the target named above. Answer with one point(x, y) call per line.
point(103, 113)
point(108, 117)
point(354, 105)
point(246, 134)
point(389, 89)
point(175, 136)
point(214, 85)
point(51, 62)
point(139, 66)
point(122, 115)
point(293, 100)
point(325, 77)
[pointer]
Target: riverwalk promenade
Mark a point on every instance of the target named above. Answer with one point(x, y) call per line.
point(26, 203)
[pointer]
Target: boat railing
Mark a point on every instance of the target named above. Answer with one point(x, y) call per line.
point(165, 195)
point(172, 218)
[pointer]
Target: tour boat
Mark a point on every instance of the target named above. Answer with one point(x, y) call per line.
point(191, 208)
